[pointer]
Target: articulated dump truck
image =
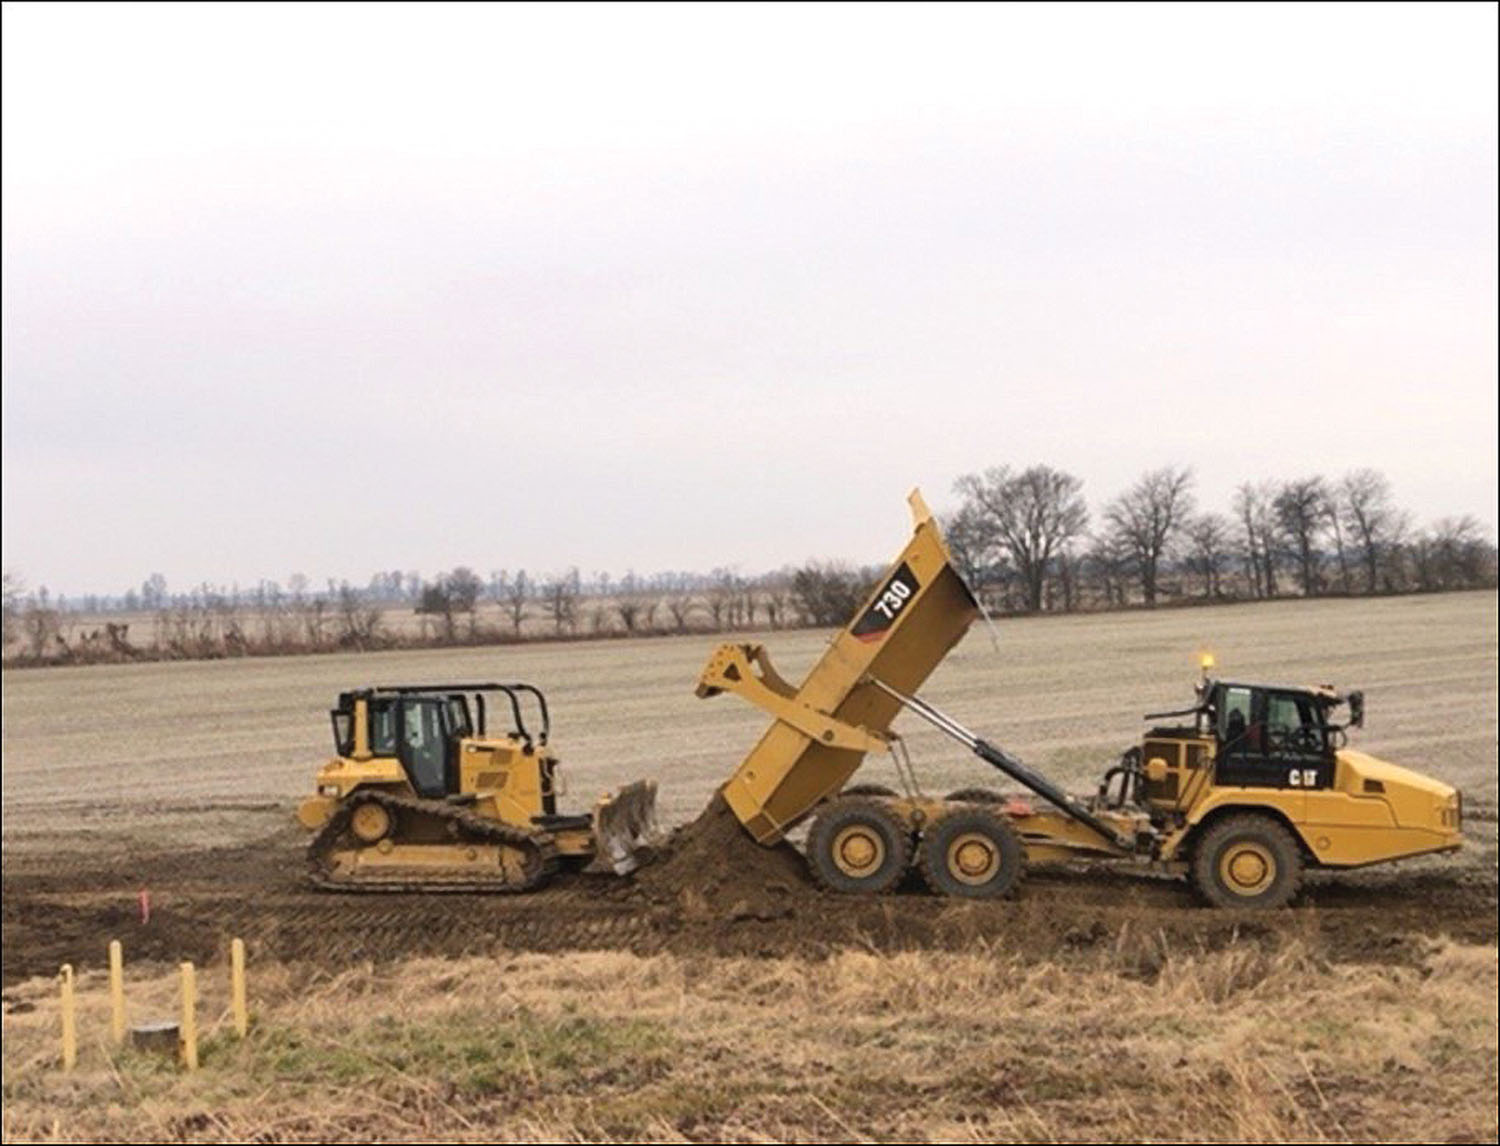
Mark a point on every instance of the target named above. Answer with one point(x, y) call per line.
point(1252, 785)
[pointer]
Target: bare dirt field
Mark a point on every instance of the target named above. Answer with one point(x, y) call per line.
point(180, 778)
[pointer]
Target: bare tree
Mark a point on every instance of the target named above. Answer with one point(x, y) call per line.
point(776, 595)
point(628, 604)
point(41, 624)
point(1254, 509)
point(1302, 512)
point(513, 593)
point(1107, 567)
point(1371, 518)
point(1027, 516)
point(15, 589)
point(725, 599)
point(448, 596)
point(1208, 534)
point(827, 593)
point(359, 617)
point(1147, 517)
point(560, 600)
point(1461, 556)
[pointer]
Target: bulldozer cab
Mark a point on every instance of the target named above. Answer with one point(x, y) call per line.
point(427, 727)
point(1272, 737)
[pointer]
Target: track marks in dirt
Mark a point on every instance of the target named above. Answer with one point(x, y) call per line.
point(66, 907)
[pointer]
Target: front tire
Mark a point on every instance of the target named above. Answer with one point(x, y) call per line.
point(858, 845)
point(1247, 861)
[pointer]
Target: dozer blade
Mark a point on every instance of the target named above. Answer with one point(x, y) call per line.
point(624, 824)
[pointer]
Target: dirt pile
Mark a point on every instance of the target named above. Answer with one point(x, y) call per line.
point(712, 869)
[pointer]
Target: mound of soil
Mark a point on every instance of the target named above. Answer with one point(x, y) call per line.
point(712, 869)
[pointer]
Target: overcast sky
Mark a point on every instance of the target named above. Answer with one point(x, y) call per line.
point(331, 290)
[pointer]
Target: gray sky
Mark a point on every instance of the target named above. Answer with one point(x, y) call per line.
point(336, 289)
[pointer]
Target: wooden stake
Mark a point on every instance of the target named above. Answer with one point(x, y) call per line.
point(237, 987)
point(188, 1032)
point(117, 992)
point(69, 1023)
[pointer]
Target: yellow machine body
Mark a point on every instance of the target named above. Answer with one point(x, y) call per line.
point(1193, 800)
point(420, 797)
point(1373, 811)
point(918, 611)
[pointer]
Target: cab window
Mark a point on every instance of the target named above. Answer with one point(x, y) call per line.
point(383, 727)
point(458, 716)
point(1288, 713)
point(1235, 717)
point(343, 731)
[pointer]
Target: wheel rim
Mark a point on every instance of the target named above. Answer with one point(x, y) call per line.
point(370, 822)
point(1247, 868)
point(973, 858)
point(858, 851)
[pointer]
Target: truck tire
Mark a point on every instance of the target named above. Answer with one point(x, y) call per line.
point(1247, 861)
point(973, 853)
point(868, 790)
point(975, 796)
point(859, 845)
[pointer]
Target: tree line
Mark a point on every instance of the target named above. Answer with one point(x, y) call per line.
point(1023, 540)
point(406, 610)
point(1021, 537)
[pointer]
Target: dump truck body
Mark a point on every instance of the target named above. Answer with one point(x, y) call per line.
point(918, 611)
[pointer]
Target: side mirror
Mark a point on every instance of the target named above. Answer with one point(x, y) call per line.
point(1357, 709)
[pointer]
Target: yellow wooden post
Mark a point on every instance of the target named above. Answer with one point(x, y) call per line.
point(116, 992)
point(188, 1031)
point(237, 987)
point(69, 1024)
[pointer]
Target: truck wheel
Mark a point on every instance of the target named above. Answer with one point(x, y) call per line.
point(975, 796)
point(1247, 861)
point(973, 853)
point(858, 845)
point(868, 790)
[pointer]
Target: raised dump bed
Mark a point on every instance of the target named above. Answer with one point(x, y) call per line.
point(919, 610)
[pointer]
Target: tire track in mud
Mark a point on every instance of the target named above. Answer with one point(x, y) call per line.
point(65, 906)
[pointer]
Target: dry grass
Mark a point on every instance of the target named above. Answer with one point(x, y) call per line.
point(156, 746)
point(1252, 1043)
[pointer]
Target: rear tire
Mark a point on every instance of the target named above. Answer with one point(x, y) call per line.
point(972, 853)
point(975, 796)
point(1247, 861)
point(858, 845)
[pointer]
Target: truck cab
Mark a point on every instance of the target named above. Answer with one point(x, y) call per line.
point(1279, 751)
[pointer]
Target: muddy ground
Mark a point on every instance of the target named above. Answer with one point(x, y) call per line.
point(709, 891)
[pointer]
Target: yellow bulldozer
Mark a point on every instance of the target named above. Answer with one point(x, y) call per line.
point(421, 795)
point(1253, 785)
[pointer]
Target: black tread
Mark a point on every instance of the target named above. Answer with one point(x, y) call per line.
point(932, 852)
point(851, 809)
point(867, 790)
point(975, 796)
point(1263, 829)
point(539, 845)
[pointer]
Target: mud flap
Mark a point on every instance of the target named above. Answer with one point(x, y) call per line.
point(624, 824)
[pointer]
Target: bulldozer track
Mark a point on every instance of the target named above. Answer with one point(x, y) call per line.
point(539, 848)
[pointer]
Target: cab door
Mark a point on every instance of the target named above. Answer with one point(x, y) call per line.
point(1241, 756)
point(422, 745)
